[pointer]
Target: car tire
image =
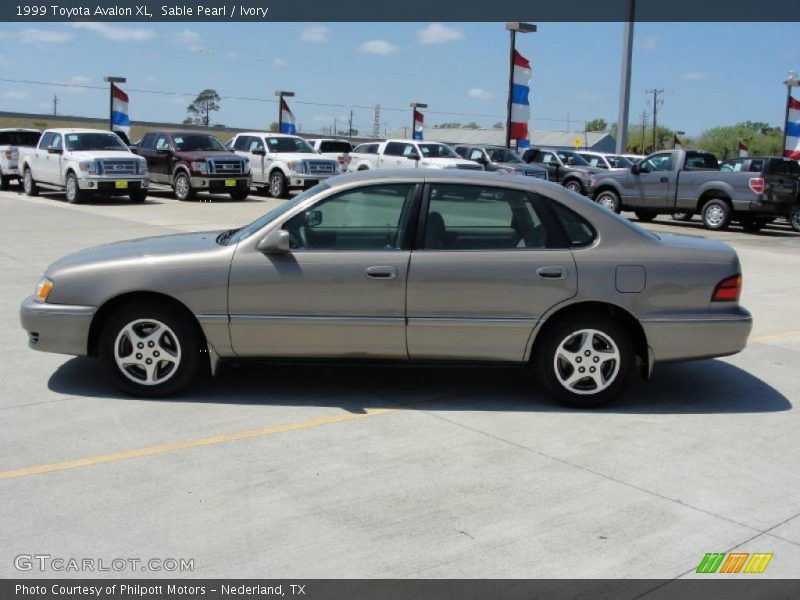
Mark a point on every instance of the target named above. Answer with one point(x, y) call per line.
point(609, 200)
point(28, 184)
point(574, 185)
point(794, 218)
point(5, 182)
point(363, 168)
point(239, 194)
point(277, 185)
point(682, 215)
point(72, 191)
point(138, 196)
point(148, 332)
point(716, 214)
point(182, 186)
point(645, 215)
point(752, 225)
point(585, 342)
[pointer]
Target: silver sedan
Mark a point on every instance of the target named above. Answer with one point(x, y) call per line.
point(412, 265)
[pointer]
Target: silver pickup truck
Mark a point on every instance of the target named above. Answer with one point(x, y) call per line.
point(690, 182)
point(11, 140)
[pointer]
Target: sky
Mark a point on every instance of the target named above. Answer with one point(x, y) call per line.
point(711, 73)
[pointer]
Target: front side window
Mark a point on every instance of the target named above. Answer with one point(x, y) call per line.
point(504, 155)
point(732, 166)
point(618, 162)
point(396, 149)
point(436, 151)
point(466, 217)
point(162, 143)
point(572, 158)
point(255, 144)
point(366, 218)
point(476, 154)
point(657, 162)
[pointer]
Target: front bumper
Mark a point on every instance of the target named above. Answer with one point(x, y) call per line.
point(221, 184)
point(689, 338)
point(119, 185)
point(301, 180)
point(59, 328)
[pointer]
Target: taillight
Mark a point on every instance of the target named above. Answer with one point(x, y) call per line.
point(9, 154)
point(728, 289)
point(757, 185)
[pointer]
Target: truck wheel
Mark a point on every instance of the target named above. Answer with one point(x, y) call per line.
point(716, 214)
point(573, 185)
point(752, 225)
point(183, 187)
point(645, 215)
point(72, 190)
point(277, 185)
point(239, 194)
point(609, 200)
point(683, 215)
point(794, 218)
point(28, 184)
point(138, 196)
point(4, 182)
point(363, 168)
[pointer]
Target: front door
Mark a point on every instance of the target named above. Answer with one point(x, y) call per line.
point(652, 186)
point(492, 262)
point(341, 289)
point(160, 161)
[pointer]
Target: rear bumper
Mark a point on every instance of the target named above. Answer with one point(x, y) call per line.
point(690, 338)
point(59, 328)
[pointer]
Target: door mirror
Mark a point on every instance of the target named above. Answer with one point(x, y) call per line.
point(313, 218)
point(635, 169)
point(134, 148)
point(275, 242)
point(54, 150)
point(259, 152)
point(163, 151)
point(413, 155)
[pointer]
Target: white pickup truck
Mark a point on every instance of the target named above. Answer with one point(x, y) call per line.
point(338, 150)
point(408, 154)
point(11, 140)
point(281, 162)
point(83, 162)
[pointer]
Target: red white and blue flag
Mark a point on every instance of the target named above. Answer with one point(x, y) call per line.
point(419, 123)
point(520, 107)
point(119, 111)
point(743, 149)
point(792, 148)
point(287, 119)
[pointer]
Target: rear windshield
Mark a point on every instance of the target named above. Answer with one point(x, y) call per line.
point(335, 147)
point(701, 160)
point(19, 138)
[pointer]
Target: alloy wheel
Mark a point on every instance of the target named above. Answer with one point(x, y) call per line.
point(587, 361)
point(147, 352)
point(715, 216)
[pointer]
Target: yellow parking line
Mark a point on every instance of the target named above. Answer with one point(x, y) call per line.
point(764, 339)
point(186, 444)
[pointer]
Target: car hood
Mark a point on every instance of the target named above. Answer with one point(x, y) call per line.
point(287, 156)
point(204, 154)
point(587, 170)
point(101, 155)
point(445, 162)
point(142, 248)
point(520, 166)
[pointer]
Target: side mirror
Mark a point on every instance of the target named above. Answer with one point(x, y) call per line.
point(635, 169)
point(164, 151)
point(259, 152)
point(133, 148)
point(413, 155)
point(54, 150)
point(313, 218)
point(275, 242)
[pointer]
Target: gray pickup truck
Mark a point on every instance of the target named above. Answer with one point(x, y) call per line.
point(689, 182)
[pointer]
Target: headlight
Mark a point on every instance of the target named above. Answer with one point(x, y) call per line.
point(298, 166)
point(43, 289)
point(142, 167)
point(246, 166)
point(200, 166)
point(88, 166)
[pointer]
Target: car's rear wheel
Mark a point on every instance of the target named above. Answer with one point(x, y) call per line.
point(716, 214)
point(239, 194)
point(753, 225)
point(574, 185)
point(150, 350)
point(609, 200)
point(645, 215)
point(794, 218)
point(5, 182)
point(585, 361)
point(138, 196)
point(682, 215)
point(183, 187)
point(28, 184)
point(277, 185)
point(73, 192)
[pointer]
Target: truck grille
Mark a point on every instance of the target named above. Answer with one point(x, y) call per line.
point(537, 174)
point(322, 167)
point(475, 167)
point(113, 167)
point(226, 167)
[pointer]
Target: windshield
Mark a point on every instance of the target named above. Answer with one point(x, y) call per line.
point(289, 144)
point(618, 162)
point(594, 160)
point(335, 147)
point(19, 138)
point(94, 141)
point(436, 151)
point(504, 155)
point(199, 142)
point(250, 229)
point(572, 158)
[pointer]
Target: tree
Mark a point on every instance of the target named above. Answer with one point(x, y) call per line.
point(499, 125)
point(761, 139)
point(273, 127)
point(450, 125)
point(472, 125)
point(200, 110)
point(597, 125)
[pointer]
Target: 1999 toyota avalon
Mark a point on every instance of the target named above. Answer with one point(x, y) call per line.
point(414, 265)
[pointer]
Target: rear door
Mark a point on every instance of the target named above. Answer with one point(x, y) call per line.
point(488, 263)
point(160, 170)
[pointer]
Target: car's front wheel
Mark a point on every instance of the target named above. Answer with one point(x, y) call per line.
point(574, 185)
point(682, 215)
point(183, 187)
point(278, 188)
point(609, 200)
point(28, 184)
point(73, 192)
point(585, 361)
point(149, 350)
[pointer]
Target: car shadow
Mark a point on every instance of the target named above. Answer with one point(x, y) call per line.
point(772, 230)
point(206, 197)
point(701, 387)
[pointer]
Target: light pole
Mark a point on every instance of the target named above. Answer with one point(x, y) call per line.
point(281, 94)
point(111, 81)
point(414, 106)
point(625, 79)
point(791, 81)
point(513, 28)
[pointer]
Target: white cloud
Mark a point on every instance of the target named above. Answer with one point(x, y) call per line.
point(15, 95)
point(315, 34)
point(117, 34)
point(437, 33)
point(377, 47)
point(695, 76)
point(650, 42)
point(480, 94)
point(190, 39)
point(279, 63)
point(37, 36)
point(76, 83)
point(150, 79)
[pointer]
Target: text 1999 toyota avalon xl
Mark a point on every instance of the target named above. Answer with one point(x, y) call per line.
point(413, 265)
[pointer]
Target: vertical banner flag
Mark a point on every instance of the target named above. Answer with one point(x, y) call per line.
point(676, 142)
point(520, 108)
point(743, 149)
point(419, 120)
point(119, 111)
point(792, 149)
point(287, 119)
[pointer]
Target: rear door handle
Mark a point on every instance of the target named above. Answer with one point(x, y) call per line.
point(381, 272)
point(551, 272)
point(664, 179)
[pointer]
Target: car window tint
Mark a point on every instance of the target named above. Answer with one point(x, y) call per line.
point(162, 143)
point(579, 231)
point(757, 165)
point(657, 162)
point(334, 146)
point(476, 154)
point(466, 217)
point(366, 218)
point(47, 140)
point(394, 149)
point(19, 138)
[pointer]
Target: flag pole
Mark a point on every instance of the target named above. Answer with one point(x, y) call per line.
point(513, 28)
point(791, 81)
point(111, 81)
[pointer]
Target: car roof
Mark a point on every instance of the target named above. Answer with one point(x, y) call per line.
point(25, 129)
point(467, 176)
point(78, 130)
point(180, 132)
point(270, 134)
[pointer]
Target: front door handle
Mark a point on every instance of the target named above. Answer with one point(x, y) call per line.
point(664, 179)
point(551, 272)
point(381, 272)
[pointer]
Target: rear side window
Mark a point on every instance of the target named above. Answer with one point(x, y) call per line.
point(579, 231)
point(333, 146)
point(701, 160)
point(19, 138)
